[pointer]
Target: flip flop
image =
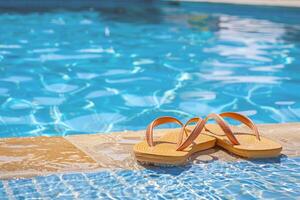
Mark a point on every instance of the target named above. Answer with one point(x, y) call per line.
point(242, 144)
point(163, 151)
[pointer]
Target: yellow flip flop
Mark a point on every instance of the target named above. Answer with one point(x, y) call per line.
point(164, 151)
point(242, 144)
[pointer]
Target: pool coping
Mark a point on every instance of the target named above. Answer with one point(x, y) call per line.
point(35, 156)
point(278, 3)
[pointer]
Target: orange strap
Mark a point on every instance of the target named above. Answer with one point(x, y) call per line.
point(199, 127)
point(245, 120)
point(192, 120)
point(157, 122)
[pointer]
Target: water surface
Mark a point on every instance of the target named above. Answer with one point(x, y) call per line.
point(117, 67)
point(267, 179)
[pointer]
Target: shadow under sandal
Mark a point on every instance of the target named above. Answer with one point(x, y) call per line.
point(164, 150)
point(248, 145)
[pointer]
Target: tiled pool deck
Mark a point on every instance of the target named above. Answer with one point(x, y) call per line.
point(27, 157)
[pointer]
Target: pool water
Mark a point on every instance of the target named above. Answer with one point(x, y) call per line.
point(272, 179)
point(117, 67)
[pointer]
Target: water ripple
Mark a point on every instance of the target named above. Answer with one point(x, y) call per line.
point(85, 71)
point(223, 180)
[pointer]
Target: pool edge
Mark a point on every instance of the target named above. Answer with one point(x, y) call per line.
point(94, 152)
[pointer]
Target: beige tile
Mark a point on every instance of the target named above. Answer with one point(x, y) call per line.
point(112, 151)
point(30, 156)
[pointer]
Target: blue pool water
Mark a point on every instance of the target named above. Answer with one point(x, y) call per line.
point(66, 70)
point(274, 179)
